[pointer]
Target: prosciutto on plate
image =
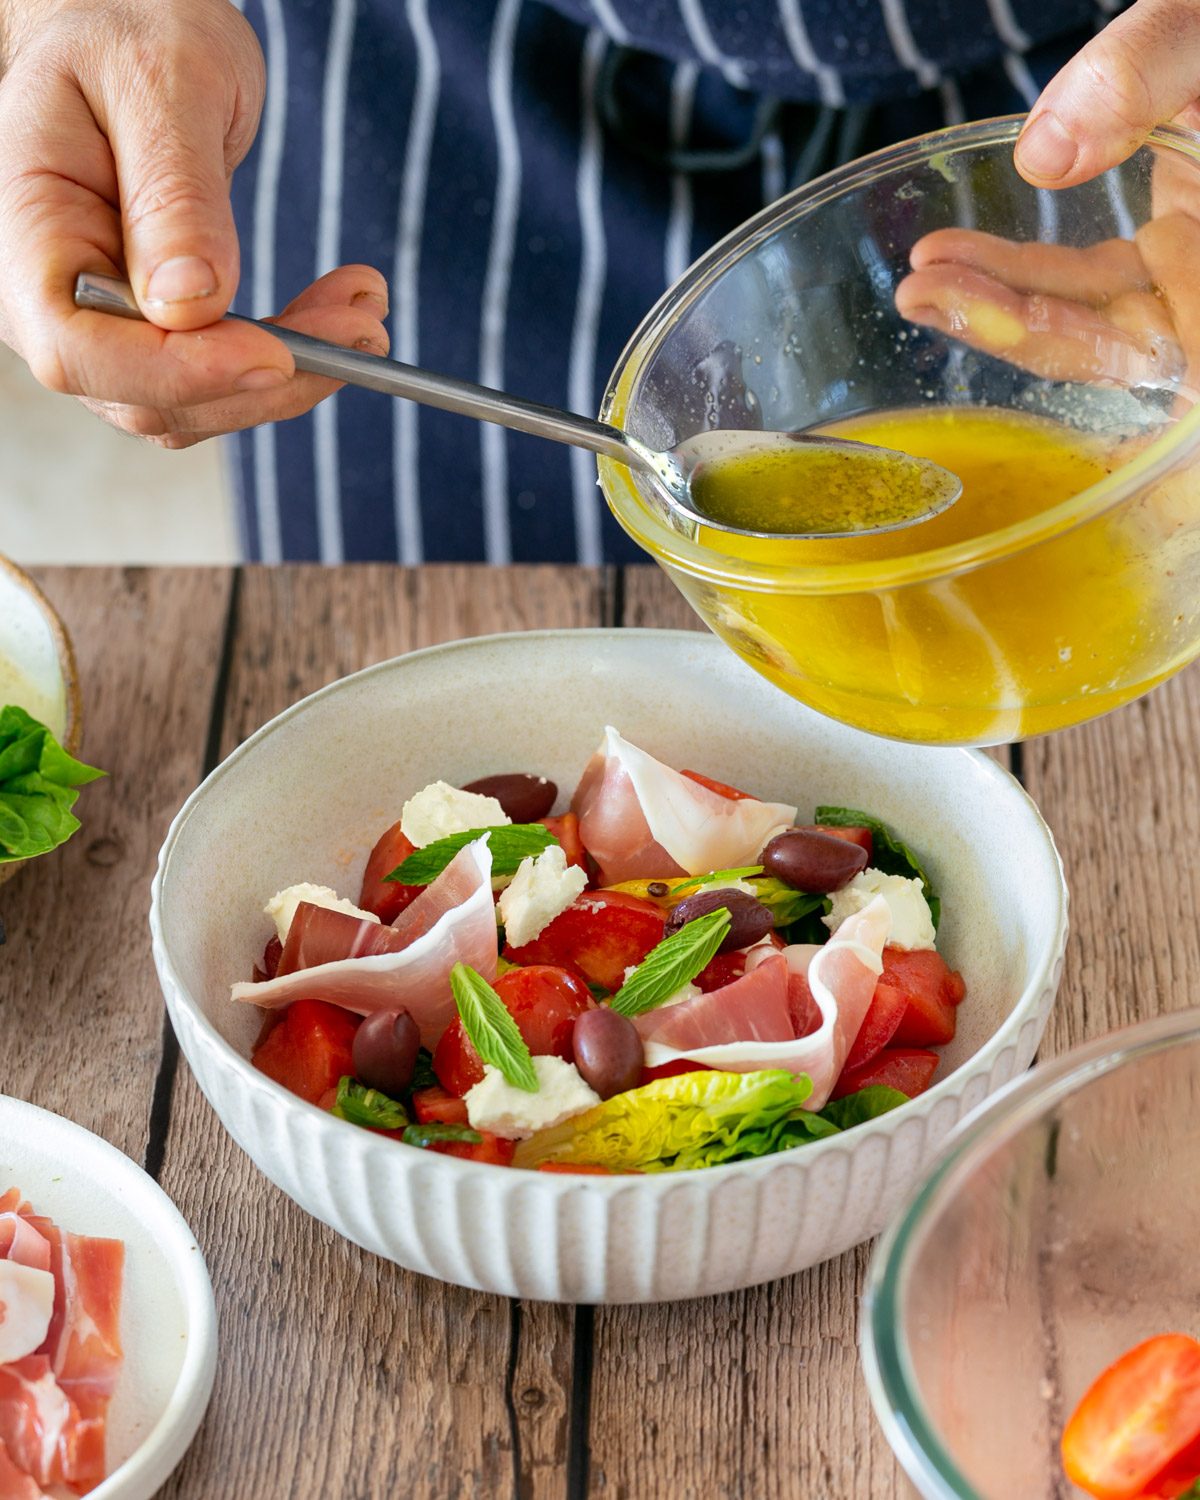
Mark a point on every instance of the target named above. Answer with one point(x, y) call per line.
point(55, 1388)
point(641, 819)
point(760, 1020)
point(367, 966)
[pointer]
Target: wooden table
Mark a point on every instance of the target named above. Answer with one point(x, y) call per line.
point(341, 1375)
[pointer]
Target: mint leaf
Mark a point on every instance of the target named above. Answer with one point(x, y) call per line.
point(510, 844)
point(716, 875)
point(492, 1031)
point(363, 1106)
point(431, 1134)
point(38, 782)
point(675, 962)
point(891, 854)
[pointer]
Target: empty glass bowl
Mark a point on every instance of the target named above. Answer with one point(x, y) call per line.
point(1041, 344)
point(1059, 1230)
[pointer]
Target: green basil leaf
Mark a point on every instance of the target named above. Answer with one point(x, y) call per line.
point(363, 1106)
point(715, 876)
point(675, 962)
point(431, 1134)
point(38, 782)
point(492, 1031)
point(891, 854)
point(510, 844)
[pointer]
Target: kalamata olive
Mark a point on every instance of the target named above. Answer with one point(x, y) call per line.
point(524, 798)
point(749, 920)
point(816, 863)
point(385, 1051)
point(608, 1051)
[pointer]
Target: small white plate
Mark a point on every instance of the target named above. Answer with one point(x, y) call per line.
point(168, 1320)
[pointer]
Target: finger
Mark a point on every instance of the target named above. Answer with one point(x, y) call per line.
point(352, 327)
point(169, 147)
point(1048, 336)
point(348, 286)
point(1142, 69)
point(58, 194)
point(1170, 245)
point(1094, 275)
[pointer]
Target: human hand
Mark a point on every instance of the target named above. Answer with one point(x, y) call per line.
point(120, 127)
point(1141, 70)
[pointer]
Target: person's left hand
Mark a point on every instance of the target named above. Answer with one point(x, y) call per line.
point(1141, 70)
point(1121, 312)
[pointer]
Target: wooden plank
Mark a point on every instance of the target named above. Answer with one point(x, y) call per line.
point(1122, 798)
point(414, 1388)
point(80, 1010)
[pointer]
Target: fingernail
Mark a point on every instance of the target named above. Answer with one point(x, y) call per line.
point(1046, 148)
point(264, 378)
point(369, 346)
point(185, 278)
point(360, 297)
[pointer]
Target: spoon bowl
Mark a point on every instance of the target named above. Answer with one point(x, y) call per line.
point(824, 487)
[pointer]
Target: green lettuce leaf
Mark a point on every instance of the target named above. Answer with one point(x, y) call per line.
point(691, 1120)
point(435, 1132)
point(38, 787)
point(866, 1104)
point(892, 855)
point(786, 904)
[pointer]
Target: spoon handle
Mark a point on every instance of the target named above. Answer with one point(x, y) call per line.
point(376, 373)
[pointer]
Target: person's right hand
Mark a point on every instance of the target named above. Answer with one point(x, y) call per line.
point(120, 127)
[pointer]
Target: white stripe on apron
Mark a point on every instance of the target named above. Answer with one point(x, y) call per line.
point(329, 224)
point(581, 378)
point(406, 312)
point(497, 544)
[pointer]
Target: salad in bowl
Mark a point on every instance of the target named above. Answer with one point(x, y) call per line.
point(671, 974)
point(731, 1156)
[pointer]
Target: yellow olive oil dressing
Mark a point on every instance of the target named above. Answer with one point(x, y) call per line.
point(960, 655)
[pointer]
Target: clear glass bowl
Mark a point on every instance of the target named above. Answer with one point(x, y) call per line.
point(1059, 1230)
point(1036, 622)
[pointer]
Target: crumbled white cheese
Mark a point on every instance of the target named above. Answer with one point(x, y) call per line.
point(515, 1114)
point(440, 809)
point(912, 923)
point(281, 908)
point(540, 890)
point(27, 1302)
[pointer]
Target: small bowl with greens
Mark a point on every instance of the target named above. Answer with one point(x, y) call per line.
point(40, 724)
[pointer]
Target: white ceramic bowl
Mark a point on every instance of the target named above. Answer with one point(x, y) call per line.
point(168, 1321)
point(305, 799)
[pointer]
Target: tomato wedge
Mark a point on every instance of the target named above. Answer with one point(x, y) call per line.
point(565, 828)
point(908, 1069)
point(309, 1050)
point(384, 897)
point(599, 937)
point(1135, 1420)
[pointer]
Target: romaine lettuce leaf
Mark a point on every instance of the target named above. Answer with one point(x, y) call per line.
point(866, 1104)
point(38, 782)
point(691, 1120)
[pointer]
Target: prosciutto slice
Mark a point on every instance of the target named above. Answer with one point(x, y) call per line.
point(54, 1390)
point(639, 818)
point(840, 976)
point(366, 966)
point(753, 1008)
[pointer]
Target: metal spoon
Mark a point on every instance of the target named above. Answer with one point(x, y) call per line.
point(671, 472)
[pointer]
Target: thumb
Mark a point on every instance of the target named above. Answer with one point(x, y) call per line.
point(1142, 69)
point(181, 248)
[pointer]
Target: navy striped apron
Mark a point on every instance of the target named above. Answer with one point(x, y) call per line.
point(529, 177)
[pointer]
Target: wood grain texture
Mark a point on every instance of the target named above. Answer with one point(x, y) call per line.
point(81, 1016)
point(393, 1383)
point(1122, 797)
